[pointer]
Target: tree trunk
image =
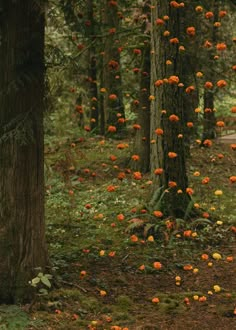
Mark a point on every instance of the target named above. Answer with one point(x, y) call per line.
point(22, 233)
point(209, 119)
point(173, 201)
point(111, 68)
point(142, 135)
point(92, 72)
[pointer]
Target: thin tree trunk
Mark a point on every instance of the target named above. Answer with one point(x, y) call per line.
point(22, 233)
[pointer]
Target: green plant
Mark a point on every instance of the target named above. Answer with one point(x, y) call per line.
point(42, 283)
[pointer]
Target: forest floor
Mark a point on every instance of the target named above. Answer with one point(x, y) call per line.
point(110, 259)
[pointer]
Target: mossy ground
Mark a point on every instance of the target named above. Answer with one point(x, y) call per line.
point(98, 283)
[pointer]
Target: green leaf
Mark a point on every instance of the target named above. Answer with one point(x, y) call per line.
point(46, 281)
point(35, 281)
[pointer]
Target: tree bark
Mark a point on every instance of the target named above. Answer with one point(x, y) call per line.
point(22, 233)
point(168, 101)
point(112, 73)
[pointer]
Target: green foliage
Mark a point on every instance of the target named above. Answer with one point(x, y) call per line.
point(42, 283)
point(12, 317)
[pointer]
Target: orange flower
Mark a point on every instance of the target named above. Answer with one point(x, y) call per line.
point(207, 44)
point(135, 157)
point(111, 188)
point(205, 215)
point(142, 267)
point(232, 179)
point(112, 97)
point(220, 123)
point(121, 120)
point(207, 143)
point(114, 65)
point(172, 184)
point(222, 13)
point(121, 146)
point(120, 217)
point(174, 4)
point(137, 51)
point(158, 82)
point(188, 267)
point(166, 33)
point(112, 254)
point(189, 124)
point(221, 83)
point(158, 214)
point(206, 180)
point(199, 74)
point(155, 300)
point(112, 31)
point(220, 156)
point(202, 299)
point(111, 129)
point(137, 175)
point(204, 256)
point(191, 31)
point(172, 155)
point(189, 89)
point(121, 175)
point(233, 146)
point(159, 21)
point(134, 238)
point(174, 41)
point(221, 46)
point(136, 70)
point(174, 118)
point(230, 258)
point(158, 171)
point(233, 109)
point(159, 131)
point(186, 301)
point(113, 158)
point(199, 9)
point(209, 14)
point(208, 85)
point(136, 126)
point(102, 293)
point(187, 233)
point(157, 265)
point(189, 191)
point(173, 80)
point(112, 3)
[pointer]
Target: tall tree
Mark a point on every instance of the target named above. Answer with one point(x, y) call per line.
point(22, 234)
point(168, 158)
point(111, 74)
point(142, 135)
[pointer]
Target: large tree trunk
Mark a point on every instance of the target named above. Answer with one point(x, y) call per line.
point(168, 101)
point(22, 237)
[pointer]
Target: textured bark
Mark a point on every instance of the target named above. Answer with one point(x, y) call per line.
point(92, 72)
point(112, 76)
point(22, 237)
point(209, 119)
point(169, 98)
point(142, 136)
